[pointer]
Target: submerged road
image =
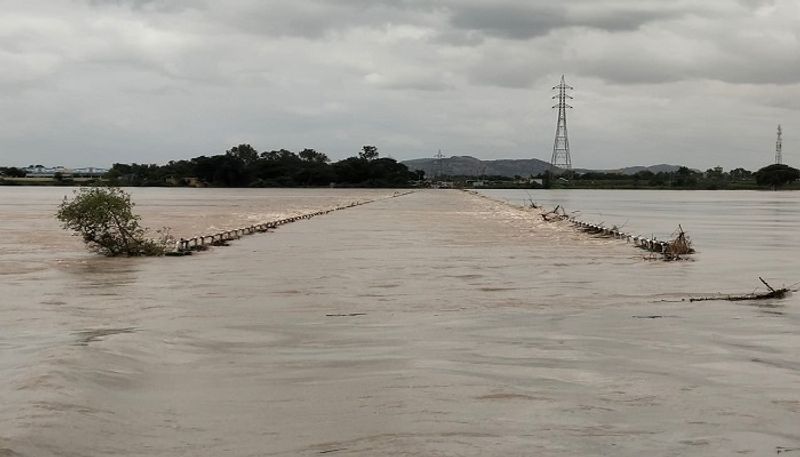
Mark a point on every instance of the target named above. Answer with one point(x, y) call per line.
point(438, 323)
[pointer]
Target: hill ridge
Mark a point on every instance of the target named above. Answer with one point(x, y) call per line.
point(471, 166)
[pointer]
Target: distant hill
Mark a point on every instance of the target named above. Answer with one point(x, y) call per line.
point(470, 166)
point(660, 168)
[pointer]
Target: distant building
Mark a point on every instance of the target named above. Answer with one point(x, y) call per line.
point(40, 171)
point(89, 172)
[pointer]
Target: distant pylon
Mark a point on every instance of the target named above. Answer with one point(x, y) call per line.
point(439, 163)
point(779, 147)
point(561, 157)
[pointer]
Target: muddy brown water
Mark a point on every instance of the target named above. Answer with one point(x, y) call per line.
point(438, 323)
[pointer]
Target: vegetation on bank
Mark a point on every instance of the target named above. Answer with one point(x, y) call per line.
point(243, 166)
point(777, 176)
point(12, 172)
point(771, 177)
point(103, 217)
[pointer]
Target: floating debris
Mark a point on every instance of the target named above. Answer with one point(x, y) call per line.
point(681, 245)
point(555, 215)
point(771, 293)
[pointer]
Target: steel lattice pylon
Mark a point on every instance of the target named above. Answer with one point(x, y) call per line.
point(561, 158)
point(779, 147)
point(438, 164)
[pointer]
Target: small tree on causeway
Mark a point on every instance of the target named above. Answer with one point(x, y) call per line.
point(104, 218)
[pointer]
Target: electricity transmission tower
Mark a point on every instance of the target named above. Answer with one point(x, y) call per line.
point(439, 164)
point(779, 147)
point(561, 157)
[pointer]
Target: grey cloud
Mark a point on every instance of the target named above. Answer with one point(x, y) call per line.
point(465, 38)
point(510, 21)
point(130, 3)
point(162, 6)
point(757, 3)
point(419, 81)
point(317, 19)
point(617, 73)
point(90, 82)
point(524, 20)
point(743, 69)
point(622, 20)
point(513, 75)
point(726, 59)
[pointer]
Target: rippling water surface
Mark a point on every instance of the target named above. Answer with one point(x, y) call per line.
point(739, 234)
point(438, 323)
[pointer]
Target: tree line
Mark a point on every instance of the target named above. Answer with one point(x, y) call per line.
point(244, 166)
point(772, 176)
point(12, 172)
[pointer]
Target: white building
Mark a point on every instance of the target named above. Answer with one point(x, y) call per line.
point(39, 171)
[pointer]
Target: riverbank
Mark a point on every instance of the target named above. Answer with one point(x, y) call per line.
point(64, 182)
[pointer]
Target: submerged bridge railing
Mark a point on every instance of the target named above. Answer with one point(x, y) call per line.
point(200, 242)
point(671, 250)
point(651, 244)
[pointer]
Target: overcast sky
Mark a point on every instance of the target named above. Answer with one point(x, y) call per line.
point(701, 83)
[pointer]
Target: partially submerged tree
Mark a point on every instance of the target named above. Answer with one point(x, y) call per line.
point(104, 218)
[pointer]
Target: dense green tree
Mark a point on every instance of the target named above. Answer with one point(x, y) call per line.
point(685, 177)
point(282, 155)
point(368, 153)
point(777, 175)
point(135, 175)
point(243, 153)
point(715, 178)
point(310, 155)
point(12, 172)
point(352, 170)
point(659, 179)
point(740, 174)
point(547, 179)
point(242, 166)
point(715, 173)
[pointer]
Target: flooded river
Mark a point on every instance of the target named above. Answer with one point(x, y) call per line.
point(437, 323)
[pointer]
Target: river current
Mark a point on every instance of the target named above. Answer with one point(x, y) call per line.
point(437, 323)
